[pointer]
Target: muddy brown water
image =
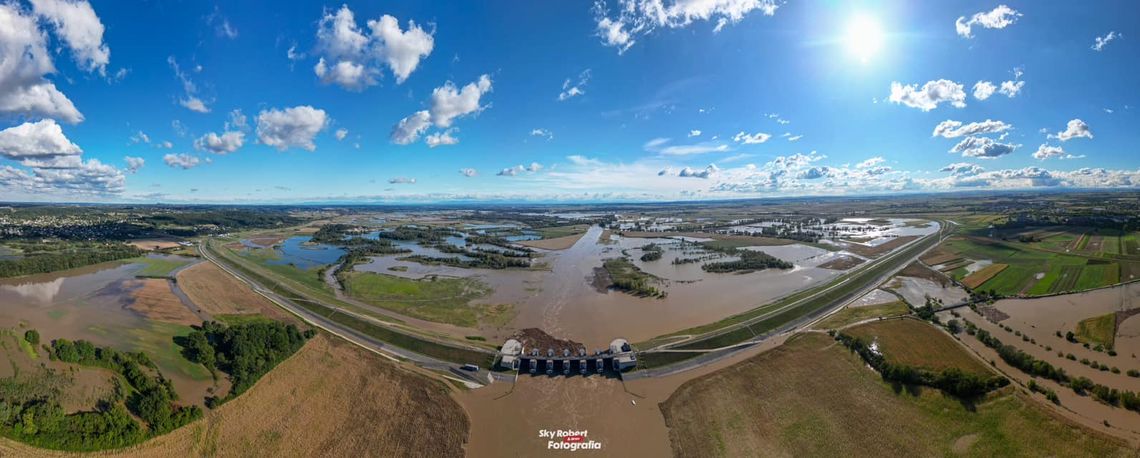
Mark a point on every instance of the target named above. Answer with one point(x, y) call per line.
point(90, 303)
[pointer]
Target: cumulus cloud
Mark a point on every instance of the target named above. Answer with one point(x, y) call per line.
point(1011, 88)
point(25, 63)
point(751, 139)
point(468, 172)
point(984, 89)
point(340, 134)
point(1102, 41)
point(689, 172)
point(1046, 151)
point(955, 129)
point(441, 138)
point(963, 169)
point(577, 88)
point(617, 27)
point(134, 163)
point(352, 58)
point(448, 103)
point(540, 132)
point(1074, 129)
point(79, 28)
point(225, 143)
point(291, 127)
point(534, 167)
point(930, 95)
point(37, 141)
point(409, 129)
point(694, 133)
point(998, 18)
point(181, 161)
point(401, 180)
point(983, 148)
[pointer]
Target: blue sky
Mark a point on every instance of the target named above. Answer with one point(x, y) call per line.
point(623, 100)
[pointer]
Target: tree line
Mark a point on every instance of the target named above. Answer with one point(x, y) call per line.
point(952, 380)
point(85, 255)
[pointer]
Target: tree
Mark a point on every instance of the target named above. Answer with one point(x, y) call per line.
point(32, 336)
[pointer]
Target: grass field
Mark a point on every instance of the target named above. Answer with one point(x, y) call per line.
point(219, 293)
point(561, 231)
point(851, 314)
point(330, 399)
point(444, 300)
point(1099, 329)
point(916, 343)
point(1034, 268)
point(158, 267)
point(812, 397)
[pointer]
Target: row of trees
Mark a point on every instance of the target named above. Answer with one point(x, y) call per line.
point(1038, 368)
point(67, 259)
point(245, 352)
point(951, 380)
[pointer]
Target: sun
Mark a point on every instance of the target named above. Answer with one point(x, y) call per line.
point(864, 37)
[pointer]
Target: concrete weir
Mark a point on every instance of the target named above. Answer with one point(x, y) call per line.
point(619, 357)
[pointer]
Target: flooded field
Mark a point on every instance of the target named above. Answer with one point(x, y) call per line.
point(916, 290)
point(107, 305)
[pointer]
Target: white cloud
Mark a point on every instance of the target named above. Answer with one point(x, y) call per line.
point(794, 138)
point(24, 64)
point(694, 133)
point(984, 89)
point(930, 95)
point(580, 160)
point(1074, 129)
point(353, 59)
point(165, 144)
point(1046, 152)
point(658, 145)
point(468, 172)
point(998, 18)
point(79, 27)
point(447, 104)
point(955, 129)
point(401, 180)
point(134, 163)
point(1011, 88)
point(534, 167)
point(1104, 40)
point(140, 137)
point(226, 143)
point(540, 132)
point(190, 100)
point(689, 172)
point(181, 160)
point(963, 169)
point(341, 134)
point(751, 139)
point(441, 138)
point(410, 128)
point(291, 127)
point(641, 17)
point(983, 148)
point(577, 88)
point(871, 162)
point(36, 140)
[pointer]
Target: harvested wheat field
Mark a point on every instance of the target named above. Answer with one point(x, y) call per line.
point(976, 279)
point(152, 298)
point(913, 342)
point(218, 293)
point(812, 397)
point(557, 243)
point(330, 399)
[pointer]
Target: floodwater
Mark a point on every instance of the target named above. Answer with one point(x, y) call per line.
point(299, 252)
point(90, 303)
point(915, 290)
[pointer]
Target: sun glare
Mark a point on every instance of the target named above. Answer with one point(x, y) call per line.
point(864, 38)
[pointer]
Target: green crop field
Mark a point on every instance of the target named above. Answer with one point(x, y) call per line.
point(1100, 329)
point(1034, 268)
point(444, 300)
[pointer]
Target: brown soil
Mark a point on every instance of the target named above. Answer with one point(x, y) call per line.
point(152, 298)
point(558, 243)
point(886, 247)
point(841, 263)
point(330, 399)
point(268, 241)
point(992, 313)
point(218, 293)
point(539, 339)
point(983, 275)
point(156, 244)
